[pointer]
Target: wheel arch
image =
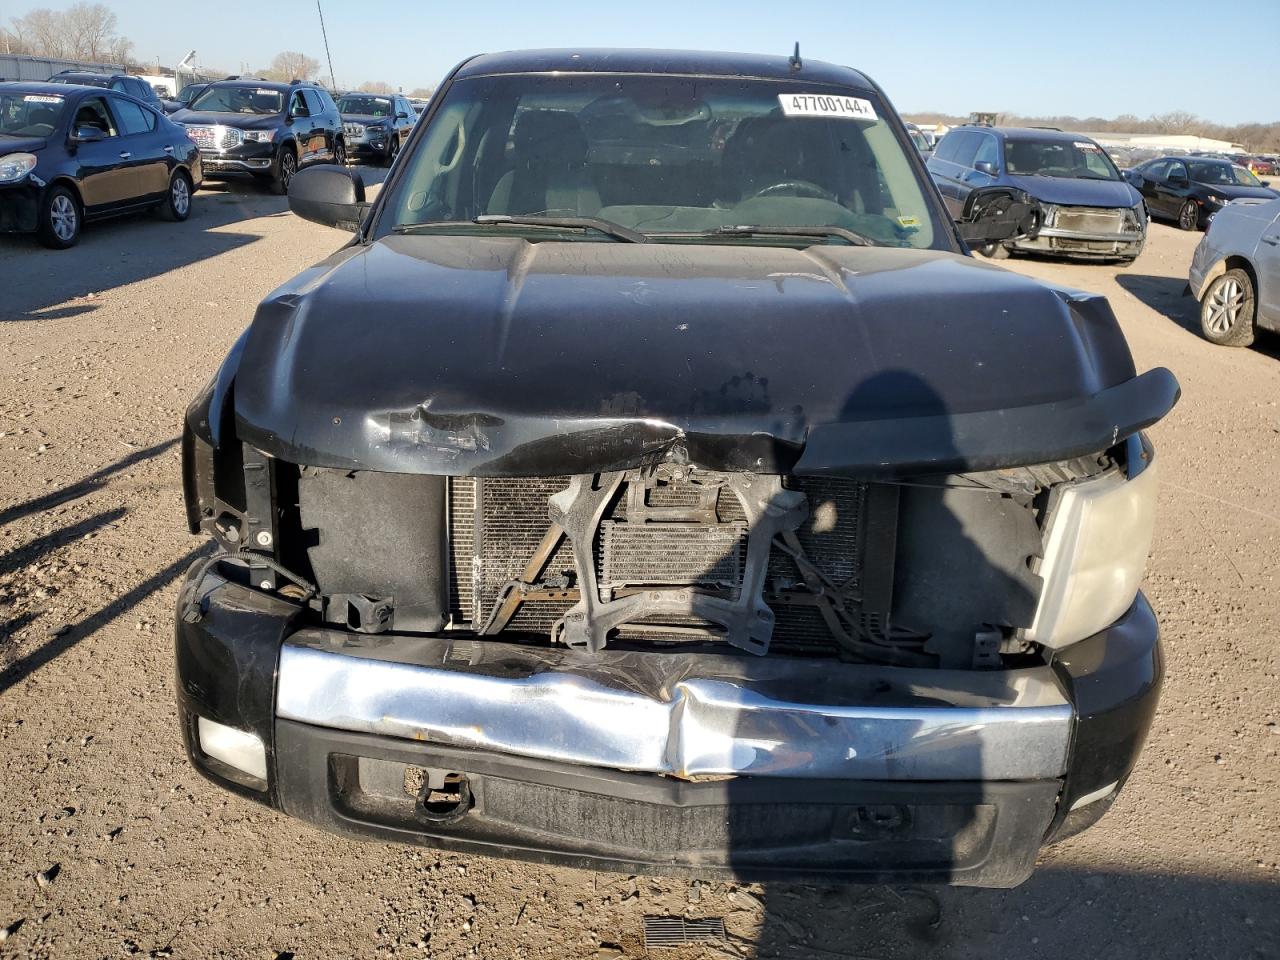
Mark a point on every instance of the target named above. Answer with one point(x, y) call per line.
point(1232, 262)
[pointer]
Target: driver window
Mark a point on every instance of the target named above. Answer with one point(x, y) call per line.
point(93, 112)
point(297, 106)
point(1177, 171)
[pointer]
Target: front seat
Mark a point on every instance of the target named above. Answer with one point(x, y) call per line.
point(550, 171)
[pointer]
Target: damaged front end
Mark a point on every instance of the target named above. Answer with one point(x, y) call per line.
point(704, 615)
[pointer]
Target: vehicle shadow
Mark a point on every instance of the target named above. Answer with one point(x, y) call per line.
point(963, 826)
point(1171, 298)
point(45, 284)
point(64, 640)
point(85, 486)
point(1062, 911)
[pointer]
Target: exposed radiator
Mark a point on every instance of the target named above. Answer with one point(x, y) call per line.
point(497, 524)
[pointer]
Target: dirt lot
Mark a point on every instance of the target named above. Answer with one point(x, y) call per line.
point(100, 350)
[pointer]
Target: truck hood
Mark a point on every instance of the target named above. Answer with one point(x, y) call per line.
point(241, 121)
point(1074, 192)
point(479, 355)
point(10, 144)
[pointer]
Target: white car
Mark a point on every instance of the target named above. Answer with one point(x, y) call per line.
point(1235, 273)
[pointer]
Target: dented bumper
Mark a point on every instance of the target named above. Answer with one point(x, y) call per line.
point(667, 762)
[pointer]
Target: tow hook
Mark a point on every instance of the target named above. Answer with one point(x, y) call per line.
point(445, 798)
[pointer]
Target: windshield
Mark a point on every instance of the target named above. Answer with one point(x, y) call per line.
point(29, 114)
point(189, 91)
point(259, 100)
point(1223, 174)
point(672, 157)
point(1070, 159)
point(368, 106)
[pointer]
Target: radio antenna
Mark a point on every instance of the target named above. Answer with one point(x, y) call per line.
point(795, 61)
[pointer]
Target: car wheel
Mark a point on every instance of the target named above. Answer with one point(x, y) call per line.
point(340, 153)
point(994, 251)
point(393, 152)
point(60, 219)
point(176, 205)
point(1227, 310)
point(286, 168)
point(1189, 215)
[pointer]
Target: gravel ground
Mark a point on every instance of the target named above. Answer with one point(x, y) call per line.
point(113, 846)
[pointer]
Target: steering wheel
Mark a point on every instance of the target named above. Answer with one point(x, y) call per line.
point(796, 188)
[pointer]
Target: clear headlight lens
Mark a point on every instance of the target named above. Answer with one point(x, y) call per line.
point(1097, 539)
point(15, 166)
point(353, 129)
point(259, 136)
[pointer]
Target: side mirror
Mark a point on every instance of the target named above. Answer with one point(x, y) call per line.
point(86, 134)
point(987, 167)
point(402, 115)
point(329, 195)
point(1265, 183)
point(995, 214)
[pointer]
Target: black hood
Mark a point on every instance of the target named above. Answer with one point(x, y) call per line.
point(241, 121)
point(366, 118)
point(457, 355)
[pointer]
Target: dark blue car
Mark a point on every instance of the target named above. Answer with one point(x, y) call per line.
point(1090, 211)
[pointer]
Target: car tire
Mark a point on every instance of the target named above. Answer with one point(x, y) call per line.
point(286, 167)
point(176, 205)
point(392, 153)
point(61, 217)
point(340, 153)
point(994, 251)
point(1227, 310)
point(1189, 215)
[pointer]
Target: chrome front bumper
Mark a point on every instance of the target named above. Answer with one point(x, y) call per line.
point(682, 715)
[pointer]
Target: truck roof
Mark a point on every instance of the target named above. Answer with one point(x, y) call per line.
point(687, 62)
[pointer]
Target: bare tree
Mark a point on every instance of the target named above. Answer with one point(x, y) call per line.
point(292, 65)
point(422, 93)
point(43, 31)
point(91, 28)
point(376, 86)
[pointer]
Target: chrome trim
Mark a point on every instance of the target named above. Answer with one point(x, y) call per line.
point(1129, 237)
point(682, 715)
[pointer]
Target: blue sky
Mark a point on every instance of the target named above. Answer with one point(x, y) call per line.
point(1087, 58)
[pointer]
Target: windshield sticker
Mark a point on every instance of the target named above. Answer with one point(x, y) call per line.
point(39, 98)
point(826, 105)
point(909, 221)
point(1085, 146)
point(266, 92)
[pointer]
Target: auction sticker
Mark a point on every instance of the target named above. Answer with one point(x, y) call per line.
point(40, 98)
point(826, 105)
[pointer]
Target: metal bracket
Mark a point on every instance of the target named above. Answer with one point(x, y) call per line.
point(746, 619)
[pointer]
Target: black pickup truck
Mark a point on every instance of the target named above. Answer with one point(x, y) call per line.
point(655, 482)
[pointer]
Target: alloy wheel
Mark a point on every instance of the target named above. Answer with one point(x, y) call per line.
point(1188, 216)
point(181, 196)
point(288, 166)
point(63, 217)
point(1225, 303)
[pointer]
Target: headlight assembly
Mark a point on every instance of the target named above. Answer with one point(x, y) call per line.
point(1097, 537)
point(15, 166)
point(259, 136)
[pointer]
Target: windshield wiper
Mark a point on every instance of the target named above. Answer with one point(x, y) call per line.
point(761, 230)
point(615, 230)
point(607, 227)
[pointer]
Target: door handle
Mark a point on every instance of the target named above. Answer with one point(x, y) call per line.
point(169, 150)
point(1273, 240)
point(125, 155)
